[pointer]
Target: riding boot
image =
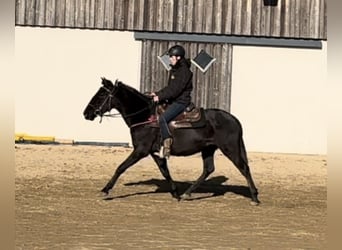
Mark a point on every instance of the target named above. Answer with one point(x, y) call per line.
point(166, 148)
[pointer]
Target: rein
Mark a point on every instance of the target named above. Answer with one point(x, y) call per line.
point(128, 115)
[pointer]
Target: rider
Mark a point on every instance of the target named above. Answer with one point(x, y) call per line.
point(177, 92)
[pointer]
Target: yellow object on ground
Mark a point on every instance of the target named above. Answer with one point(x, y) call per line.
point(21, 137)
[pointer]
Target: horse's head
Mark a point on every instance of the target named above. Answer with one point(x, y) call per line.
point(133, 106)
point(102, 101)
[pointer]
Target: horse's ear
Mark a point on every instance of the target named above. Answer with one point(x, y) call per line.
point(106, 83)
point(103, 80)
point(116, 82)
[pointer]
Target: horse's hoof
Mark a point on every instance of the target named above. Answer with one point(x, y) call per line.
point(254, 203)
point(100, 195)
point(185, 196)
point(176, 196)
point(104, 192)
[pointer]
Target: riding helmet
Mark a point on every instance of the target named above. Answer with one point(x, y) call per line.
point(176, 50)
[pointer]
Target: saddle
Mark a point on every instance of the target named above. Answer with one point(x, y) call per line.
point(192, 117)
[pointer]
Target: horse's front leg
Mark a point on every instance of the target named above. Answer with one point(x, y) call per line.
point(133, 158)
point(162, 165)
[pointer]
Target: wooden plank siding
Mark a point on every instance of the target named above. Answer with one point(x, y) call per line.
point(304, 19)
point(211, 89)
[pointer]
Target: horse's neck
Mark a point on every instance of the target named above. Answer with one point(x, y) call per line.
point(134, 109)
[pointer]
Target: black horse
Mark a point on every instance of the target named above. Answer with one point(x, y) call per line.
point(221, 131)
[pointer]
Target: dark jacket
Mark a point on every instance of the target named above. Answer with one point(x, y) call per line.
point(179, 86)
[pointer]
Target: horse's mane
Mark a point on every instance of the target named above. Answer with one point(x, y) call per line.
point(134, 92)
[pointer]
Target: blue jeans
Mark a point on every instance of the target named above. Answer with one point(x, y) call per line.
point(171, 112)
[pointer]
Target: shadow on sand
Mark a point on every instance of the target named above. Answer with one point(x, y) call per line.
point(212, 187)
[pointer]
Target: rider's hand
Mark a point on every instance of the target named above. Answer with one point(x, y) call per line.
point(155, 98)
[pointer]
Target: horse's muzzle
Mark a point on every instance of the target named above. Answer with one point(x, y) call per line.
point(89, 116)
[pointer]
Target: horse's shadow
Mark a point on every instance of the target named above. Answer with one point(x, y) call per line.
point(212, 187)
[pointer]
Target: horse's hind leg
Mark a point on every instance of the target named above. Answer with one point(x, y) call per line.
point(162, 165)
point(208, 168)
point(237, 154)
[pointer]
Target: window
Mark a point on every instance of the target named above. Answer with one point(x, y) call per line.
point(165, 60)
point(203, 61)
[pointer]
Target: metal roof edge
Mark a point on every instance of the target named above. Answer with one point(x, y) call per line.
point(235, 40)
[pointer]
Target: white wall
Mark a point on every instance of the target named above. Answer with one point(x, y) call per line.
point(279, 95)
point(59, 70)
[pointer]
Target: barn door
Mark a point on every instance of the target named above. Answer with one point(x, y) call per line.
point(212, 89)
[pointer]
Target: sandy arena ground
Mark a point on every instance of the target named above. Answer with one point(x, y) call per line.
point(58, 204)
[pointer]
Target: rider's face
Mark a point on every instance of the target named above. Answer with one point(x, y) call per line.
point(174, 59)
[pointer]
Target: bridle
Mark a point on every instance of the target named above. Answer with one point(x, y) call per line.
point(107, 100)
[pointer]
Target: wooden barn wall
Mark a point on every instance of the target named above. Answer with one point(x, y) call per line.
point(212, 89)
point(290, 18)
